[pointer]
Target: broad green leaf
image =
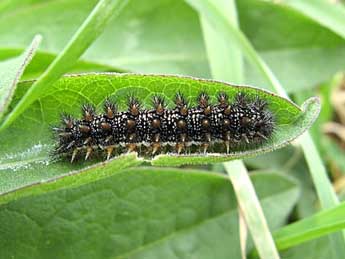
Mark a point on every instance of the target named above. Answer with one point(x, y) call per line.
point(289, 41)
point(10, 73)
point(139, 213)
point(91, 28)
point(316, 249)
point(48, 181)
point(332, 16)
point(138, 41)
point(26, 144)
point(290, 160)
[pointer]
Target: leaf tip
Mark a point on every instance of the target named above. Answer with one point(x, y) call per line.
point(312, 106)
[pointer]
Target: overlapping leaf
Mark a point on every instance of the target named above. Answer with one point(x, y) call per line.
point(10, 73)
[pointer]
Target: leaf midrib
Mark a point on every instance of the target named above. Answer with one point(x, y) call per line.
point(19, 163)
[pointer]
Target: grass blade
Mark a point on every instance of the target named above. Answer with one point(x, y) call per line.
point(320, 224)
point(243, 233)
point(225, 60)
point(11, 71)
point(322, 184)
point(230, 68)
point(252, 211)
point(79, 43)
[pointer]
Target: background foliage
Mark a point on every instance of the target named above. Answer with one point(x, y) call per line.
point(113, 211)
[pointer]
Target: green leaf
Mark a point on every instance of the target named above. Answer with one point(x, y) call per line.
point(332, 16)
point(316, 249)
point(138, 213)
point(318, 225)
point(285, 39)
point(78, 44)
point(290, 160)
point(138, 41)
point(65, 179)
point(10, 73)
point(26, 144)
point(42, 60)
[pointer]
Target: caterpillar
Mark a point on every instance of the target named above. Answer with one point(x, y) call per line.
point(220, 128)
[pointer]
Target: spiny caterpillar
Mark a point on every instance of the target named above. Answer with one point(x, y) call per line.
point(219, 128)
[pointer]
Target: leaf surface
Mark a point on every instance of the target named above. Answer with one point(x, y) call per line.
point(24, 158)
point(139, 213)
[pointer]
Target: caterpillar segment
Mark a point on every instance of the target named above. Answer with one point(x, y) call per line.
point(222, 127)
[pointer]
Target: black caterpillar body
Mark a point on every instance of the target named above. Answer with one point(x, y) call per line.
point(220, 128)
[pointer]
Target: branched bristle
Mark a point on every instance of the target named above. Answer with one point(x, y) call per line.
point(134, 105)
point(180, 100)
point(88, 111)
point(110, 108)
point(158, 103)
point(223, 99)
point(241, 100)
point(203, 99)
point(67, 120)
point(259, 103)
point(133, 101)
